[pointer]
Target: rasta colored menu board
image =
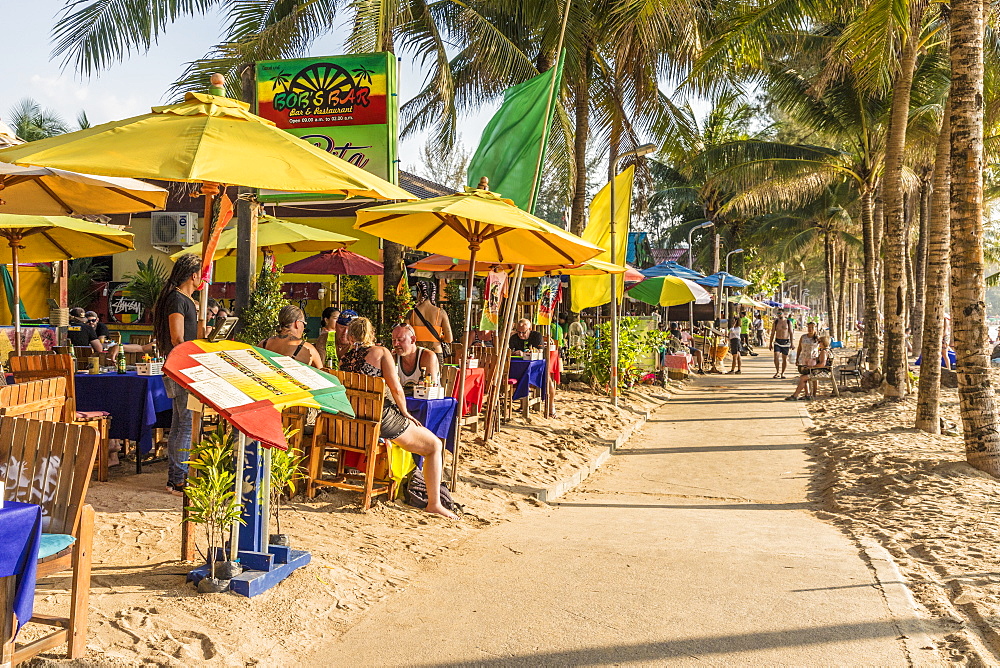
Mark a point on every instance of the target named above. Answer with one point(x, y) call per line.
point(345, 105)
point(250, 386)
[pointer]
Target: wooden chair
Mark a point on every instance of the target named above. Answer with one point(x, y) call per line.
point(140, 339)
point(37, 399)
point(49, 464)
point(359, 434)
point(294, 417)
point(817, 374)
point(36, 367)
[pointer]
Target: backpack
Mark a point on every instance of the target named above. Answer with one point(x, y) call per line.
point(416, 493)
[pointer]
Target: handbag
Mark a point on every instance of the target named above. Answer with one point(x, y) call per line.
point(445, 347)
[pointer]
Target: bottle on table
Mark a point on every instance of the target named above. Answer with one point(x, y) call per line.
point(156, 353)
point(120, 362)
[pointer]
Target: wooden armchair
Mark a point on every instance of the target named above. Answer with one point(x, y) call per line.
point(49, 464)
point(37, 367)
point(37, 399)
point(359, 435)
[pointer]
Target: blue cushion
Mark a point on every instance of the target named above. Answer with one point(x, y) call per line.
point(53, 543)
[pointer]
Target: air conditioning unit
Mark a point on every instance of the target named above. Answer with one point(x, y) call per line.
point(174, 228)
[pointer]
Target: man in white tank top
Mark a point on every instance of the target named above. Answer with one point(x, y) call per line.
point(412, 362)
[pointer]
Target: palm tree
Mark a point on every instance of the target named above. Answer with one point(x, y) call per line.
point(977, 398)
point(31, 122)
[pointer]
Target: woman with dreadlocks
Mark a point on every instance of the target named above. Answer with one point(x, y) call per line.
point(175, 320)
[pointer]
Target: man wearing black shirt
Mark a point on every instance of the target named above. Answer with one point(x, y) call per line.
point(524, 338)
point(102, 330)
point(81, 333)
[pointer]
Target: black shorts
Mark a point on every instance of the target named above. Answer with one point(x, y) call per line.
point(394, 423)
point(782, 346)
point(734, 346)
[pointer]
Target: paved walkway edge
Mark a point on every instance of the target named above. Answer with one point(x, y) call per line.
point(555, 490)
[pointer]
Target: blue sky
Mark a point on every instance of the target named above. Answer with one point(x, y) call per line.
point(141, 81)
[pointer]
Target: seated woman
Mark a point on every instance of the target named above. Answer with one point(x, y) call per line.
point(821, 360)
point(368, 358)
point(290, 339)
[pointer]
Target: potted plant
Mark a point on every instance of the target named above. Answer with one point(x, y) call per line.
point(213, 503)
point(285, 466)
point(146, 283)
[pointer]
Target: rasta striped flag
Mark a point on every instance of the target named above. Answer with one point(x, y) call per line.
point(250, 386)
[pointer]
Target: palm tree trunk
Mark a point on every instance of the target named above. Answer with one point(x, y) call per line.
point(872, 341)
point(977, 400)
point(578, 218)
point(894, 248)
point(828, 253)
point(920, 267)
point(938, 240)
point(842, 293)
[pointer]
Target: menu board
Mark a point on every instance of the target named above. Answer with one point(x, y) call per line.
point(250, 386)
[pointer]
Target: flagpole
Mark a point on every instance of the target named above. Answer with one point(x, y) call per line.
point(535, 186)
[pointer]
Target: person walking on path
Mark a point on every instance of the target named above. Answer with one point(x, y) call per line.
point(175, 320)
point(781, 344)
point(735, 343)
point(758, 330)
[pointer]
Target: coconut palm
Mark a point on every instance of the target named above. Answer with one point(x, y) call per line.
point(30, 121)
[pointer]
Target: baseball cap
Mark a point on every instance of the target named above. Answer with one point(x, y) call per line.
point(346, 317)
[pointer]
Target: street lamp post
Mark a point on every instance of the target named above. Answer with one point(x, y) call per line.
point(722, 279)
point(691, 232)
point(645, 149)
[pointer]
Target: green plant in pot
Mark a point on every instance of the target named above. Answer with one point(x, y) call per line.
point(212, 496)
point(285, 466)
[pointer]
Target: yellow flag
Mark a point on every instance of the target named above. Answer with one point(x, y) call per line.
point(588, 291)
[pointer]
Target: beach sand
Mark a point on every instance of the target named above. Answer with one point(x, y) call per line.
point(143, 612)
point(913, 493)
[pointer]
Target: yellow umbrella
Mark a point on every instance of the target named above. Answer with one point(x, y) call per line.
point(205, 139)
point(278, 236)
point(475, 225)
point(43, 191)
point(592, 267)
point(51, 239)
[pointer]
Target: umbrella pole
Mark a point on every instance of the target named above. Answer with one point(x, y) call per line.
point(15, 244)
point(463, 365)
point(338, 292)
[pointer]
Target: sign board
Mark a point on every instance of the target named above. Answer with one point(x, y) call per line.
point(345, 105)
point(250, 386)
point(122, 308)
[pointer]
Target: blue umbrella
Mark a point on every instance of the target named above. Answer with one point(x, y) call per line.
point(729, 281)
point(772, 303)
point(671, 268)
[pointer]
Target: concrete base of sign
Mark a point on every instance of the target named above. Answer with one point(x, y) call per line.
point(261, 570)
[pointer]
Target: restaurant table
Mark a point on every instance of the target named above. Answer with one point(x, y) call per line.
point(21, 532)
point(133, 401)
point(438, 415)
point(475, 387)
point(528, 374)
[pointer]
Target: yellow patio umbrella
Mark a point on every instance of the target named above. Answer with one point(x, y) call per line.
point(51, 239)
point(205, 139)
point(475, 225)
point(591, 267)
point(43, 191)
point(743, 300)
point(278, 236)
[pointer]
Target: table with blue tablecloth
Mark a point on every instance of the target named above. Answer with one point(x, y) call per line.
point(137, 404)
point(438, 415)
point(528, 374)
point(20, 535)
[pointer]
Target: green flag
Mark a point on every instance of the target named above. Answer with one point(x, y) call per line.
point(508, 151)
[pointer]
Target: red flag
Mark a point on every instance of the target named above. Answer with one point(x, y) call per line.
point(221, 219)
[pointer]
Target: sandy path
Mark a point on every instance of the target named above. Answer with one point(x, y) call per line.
point(695, 545)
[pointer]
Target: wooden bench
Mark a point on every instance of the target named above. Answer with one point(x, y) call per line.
point(43, 399)
point(49, 464)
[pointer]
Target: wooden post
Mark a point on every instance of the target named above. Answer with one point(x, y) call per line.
point(7, 585)
point(15, 244)
point(246, 219)
point(503, 355)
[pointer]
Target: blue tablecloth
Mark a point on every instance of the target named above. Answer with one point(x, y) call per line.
point(438, 415)
point(951, 358)
point(528, 374)
point(132, 400)
point(21, 532)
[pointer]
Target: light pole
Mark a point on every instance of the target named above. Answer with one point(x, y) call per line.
point(722, 279)
point(691, 232)
point(645, 149)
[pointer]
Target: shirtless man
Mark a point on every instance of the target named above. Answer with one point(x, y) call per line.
point(781, 344)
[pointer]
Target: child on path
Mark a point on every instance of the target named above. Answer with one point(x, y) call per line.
point(735, 342)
